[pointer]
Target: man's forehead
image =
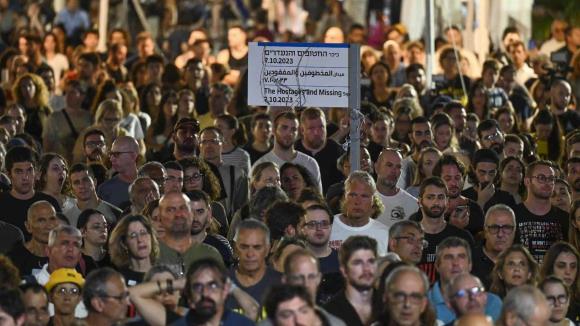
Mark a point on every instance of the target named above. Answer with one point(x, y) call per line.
point(362, 254)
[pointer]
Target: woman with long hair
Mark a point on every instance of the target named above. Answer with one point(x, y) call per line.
point(548, 136)
point(478, 101)
point(54, 57)
point(150, 99)
point(558, 296)
point(562, 260)
point(52, 180)
point(515, 266)
point(133, 247)
point(95, 230)
point(159, 134)
point(508, 120)
point(151, 211)
point(295, 178)
point(444, 133)
point(234, 137)
point(31, 92)
point(379, 93)
point(428, 157)
point(511, 174)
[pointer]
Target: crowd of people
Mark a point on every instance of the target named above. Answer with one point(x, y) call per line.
point(138, 186)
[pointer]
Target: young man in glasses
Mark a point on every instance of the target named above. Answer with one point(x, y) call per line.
point(539, 223)
point(65, 289)
point(499, 234)
point(454, 259)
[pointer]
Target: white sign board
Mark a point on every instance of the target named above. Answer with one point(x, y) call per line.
point(298, 74)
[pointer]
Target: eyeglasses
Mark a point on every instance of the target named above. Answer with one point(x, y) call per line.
point(135, 235)
point(65, 291)
point(93, 144)
point(200, 288)
point(472, 293)
point(561, 299)
point(414, 298)
point(121, 297)
point(195, 176)
point(412, 240)
point(544, 179)
point(496, 228)
point(492, 137)
point(117, 154)
point(313, 225)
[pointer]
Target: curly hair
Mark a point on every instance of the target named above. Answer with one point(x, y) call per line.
point(119, 251)
point(498, 285)
point(41, 97)
point(211, 184)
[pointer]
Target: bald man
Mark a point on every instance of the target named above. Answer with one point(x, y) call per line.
point(474, 320)
point(560, 95)
point(123, 155)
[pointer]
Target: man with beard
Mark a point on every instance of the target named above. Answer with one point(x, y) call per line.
point(178, 247)
point(466, 295)
point(433, 202)
point(457, 112)
point(573, 176)
point(463, 212)
point(539, 223)
point(399, 204)
point(314, 143)
point(185, 139)
point(421, 137)
point(201, 226)
point(453, 260)
point(83, 184)
point(491, 136)
point(358, 266)
point(360, 205)
point(285, 135)
point(20, 163)
point(499, 234)
point(124, 154)
point(485, 166)
point(94, 147)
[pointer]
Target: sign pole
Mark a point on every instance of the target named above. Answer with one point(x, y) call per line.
point(354, 105)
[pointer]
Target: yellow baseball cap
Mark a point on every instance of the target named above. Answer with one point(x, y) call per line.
point(64, 275)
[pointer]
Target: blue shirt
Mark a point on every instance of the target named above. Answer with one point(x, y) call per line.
point(446, 315)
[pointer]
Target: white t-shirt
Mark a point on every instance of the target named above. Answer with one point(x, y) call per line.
point(305, 160)
point(397, 208)
point(372, 229)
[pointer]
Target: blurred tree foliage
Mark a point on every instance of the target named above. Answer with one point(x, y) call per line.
point(545, 11)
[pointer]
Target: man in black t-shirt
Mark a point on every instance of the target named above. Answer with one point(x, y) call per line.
point(463, 212)
point(21, 167)
point(433, 203)
point(314, 143)
point(485, 169)
point(560, 95)
point(539, 223)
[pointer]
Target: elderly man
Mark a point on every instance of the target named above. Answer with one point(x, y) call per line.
point(465, 295)
point(453, 259)
point(524, 305)
point(106, 297)
point(407, 239)
point(499, 234)
point(405, 297)
point(30, 256)
point(142, 191)
point(358, 211)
